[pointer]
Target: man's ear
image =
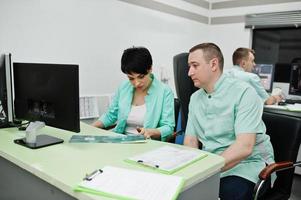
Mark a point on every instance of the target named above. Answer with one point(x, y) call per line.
point(242, 64)
point(214, 64)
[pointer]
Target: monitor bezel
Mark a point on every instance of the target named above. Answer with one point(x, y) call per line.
point(290, 92)
point(7, 95)
point(19, 112)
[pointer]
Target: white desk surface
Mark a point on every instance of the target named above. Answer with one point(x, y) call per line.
point(64, 165)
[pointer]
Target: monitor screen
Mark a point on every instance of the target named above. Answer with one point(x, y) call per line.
point(48, 93)
point(6, 97)
point(266, 75)
point(282, 72)
point(295, 80)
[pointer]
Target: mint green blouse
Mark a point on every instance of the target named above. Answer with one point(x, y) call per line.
point(232, 109)
point(250, 78)
point(159, 108)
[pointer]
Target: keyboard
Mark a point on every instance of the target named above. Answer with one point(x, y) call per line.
point(292, 101)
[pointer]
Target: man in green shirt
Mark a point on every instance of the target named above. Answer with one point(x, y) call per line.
point(243, 61)
point(225, 116)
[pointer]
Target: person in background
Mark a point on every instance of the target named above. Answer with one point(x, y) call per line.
point(141, 104)
point(225, 117)
point(243, 61)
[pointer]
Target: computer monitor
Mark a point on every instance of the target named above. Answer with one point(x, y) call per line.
point(6, 96)
point(47, 93)
point(282, 72)
point(295, 79)
point(266, 75)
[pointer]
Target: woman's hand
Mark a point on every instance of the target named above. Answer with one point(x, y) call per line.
point(149, 133)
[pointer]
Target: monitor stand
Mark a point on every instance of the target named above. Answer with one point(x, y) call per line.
point(34, 141)
point(5, 124)
point(41, 141)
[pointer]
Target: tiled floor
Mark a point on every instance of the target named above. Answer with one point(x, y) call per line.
point(296, 190)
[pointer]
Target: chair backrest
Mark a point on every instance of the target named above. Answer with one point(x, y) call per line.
point(183, 83)
point(177, 110)
point(285, 134)
point(172, 138)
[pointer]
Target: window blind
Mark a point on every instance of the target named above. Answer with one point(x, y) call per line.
point(273, 20)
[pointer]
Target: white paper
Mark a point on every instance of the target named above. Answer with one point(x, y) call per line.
point(294, 107)
point(135, 184)
point(168, 158)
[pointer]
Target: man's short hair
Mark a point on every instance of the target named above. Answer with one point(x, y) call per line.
point(210, 51)
point(136, 60)
point(241, 54)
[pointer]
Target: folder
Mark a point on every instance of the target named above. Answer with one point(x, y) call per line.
point(168, 159)
point(107, 139)
point(120, 183)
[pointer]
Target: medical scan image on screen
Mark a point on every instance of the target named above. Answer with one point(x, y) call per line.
point(266, 75)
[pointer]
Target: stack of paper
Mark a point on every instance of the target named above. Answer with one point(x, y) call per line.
point(168, 159)
point(294, 107)
point(119, 183)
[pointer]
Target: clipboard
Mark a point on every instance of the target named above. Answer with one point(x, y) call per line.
point(167, 159)
point(120, 183)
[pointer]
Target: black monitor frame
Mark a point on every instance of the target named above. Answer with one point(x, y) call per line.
point(48, 93)
point(295, 79)
point(6, 91)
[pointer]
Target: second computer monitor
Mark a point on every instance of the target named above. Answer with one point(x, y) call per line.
point(295, 79)
point(266, 75)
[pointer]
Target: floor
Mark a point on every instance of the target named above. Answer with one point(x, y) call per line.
point(296, 192)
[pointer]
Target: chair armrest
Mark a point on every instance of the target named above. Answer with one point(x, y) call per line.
point(268, 170)
point(172, 138)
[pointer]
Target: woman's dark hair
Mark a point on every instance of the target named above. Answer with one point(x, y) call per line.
point(136, 60)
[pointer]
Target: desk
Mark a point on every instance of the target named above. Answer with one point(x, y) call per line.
point(52, 172)
point(291, 114)
point(283, 112)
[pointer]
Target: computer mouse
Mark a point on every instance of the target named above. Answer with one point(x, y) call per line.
point(281, 103)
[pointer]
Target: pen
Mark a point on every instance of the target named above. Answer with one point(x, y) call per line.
point(89, 177)
point(141, 161)
point(139, 130)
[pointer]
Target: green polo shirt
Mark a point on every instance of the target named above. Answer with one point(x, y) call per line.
point(250, 78)
point(159, 103)
point(216, 119)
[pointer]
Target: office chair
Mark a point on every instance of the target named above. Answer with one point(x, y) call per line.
point(285, 134)
point(172, 138)
point(184, 85)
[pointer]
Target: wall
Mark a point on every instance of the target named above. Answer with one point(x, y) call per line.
point(227, 23)
point(93, 34)
point(229, 37)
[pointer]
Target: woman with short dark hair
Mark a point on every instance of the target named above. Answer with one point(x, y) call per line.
point(142, 104)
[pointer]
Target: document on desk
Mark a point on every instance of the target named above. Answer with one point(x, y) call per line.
point(120, 183)
point(107, 139)
point(167, 159)
point(289, 107)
